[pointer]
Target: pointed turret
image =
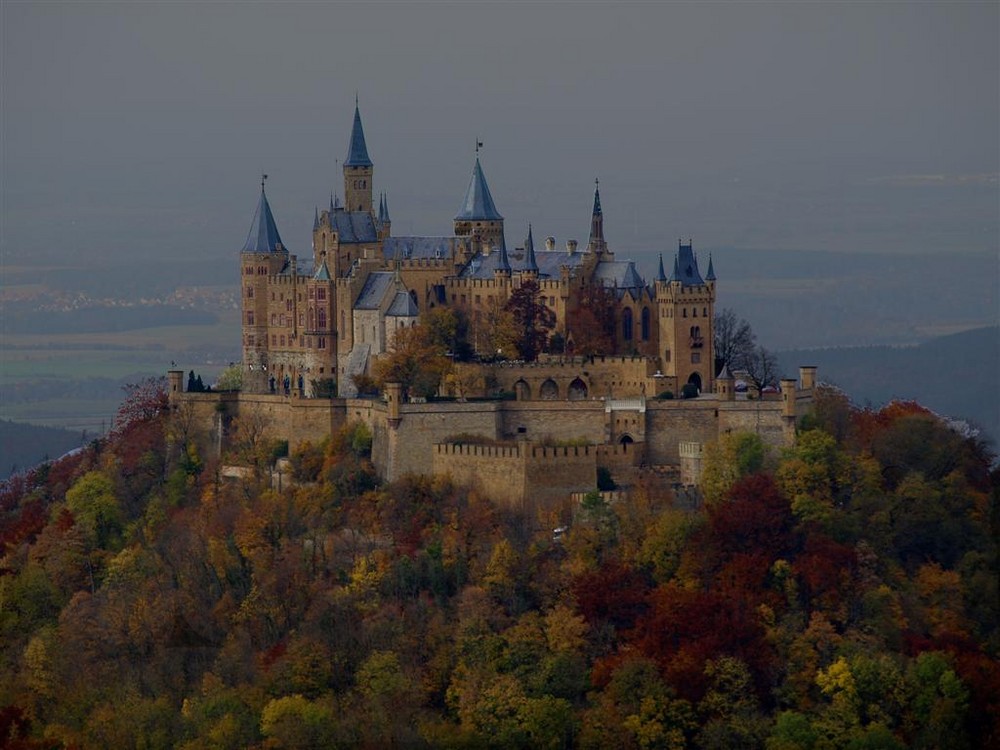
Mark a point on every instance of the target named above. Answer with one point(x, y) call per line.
point(358, 169)
point(660, 275)
point(357, 150)
point(676, 275)
point(478, 204)
point(381, 207)
point(597, 243)
point(263, 237)
point(503, 262)
point(479, 216)
point(385, 201)
point(710, 276)
point(530, 264)
point(315, 218)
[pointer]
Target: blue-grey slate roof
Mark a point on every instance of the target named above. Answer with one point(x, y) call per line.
point(686, 267)
point(357, 150)
point(547, 262)
point(419, 247)
point(353, 227)
point(710, 276)
point(618, 273)
point(478, 205)
point(374, 290)
point(322, 273)
point(402, 306)
point(263, 236)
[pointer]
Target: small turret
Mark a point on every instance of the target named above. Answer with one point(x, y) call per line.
point(503, 263)
point(660, 275)
point(530, 264)
point(710, 276)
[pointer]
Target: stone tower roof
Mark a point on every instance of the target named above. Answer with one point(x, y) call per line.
point(357, 151)
point(478, 204)
point(263, 237)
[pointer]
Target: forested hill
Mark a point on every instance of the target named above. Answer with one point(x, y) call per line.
point(954, 375)
point(842, 593)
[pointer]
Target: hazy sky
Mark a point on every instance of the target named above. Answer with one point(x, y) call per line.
point(142, 128)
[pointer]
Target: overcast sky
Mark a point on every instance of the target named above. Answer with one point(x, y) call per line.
point(141, 128)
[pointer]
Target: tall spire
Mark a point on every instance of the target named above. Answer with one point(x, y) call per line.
point(530, 264)
point(710, 276)
point(357, 151)
point(315, 218)
point(660, 275)
point(478, 204)
point(676, 275)
point(381, 207)
point(385, 200)
point(596, 242)
point(503, 264)
point(263, 236)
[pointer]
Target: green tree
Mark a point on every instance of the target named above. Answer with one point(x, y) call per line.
point(95, 507)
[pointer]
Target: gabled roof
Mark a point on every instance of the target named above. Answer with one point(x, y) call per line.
point(374, 290)
point(263, 237)
point(353, 227)
point(402, 306)
point(322, 273)
point(478, 204)
point(419, 247)
point(357, 151)
point(618, 273)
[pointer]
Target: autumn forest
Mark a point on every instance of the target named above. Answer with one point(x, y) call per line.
point(841, 593)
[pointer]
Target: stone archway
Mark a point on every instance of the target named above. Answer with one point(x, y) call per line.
point(548, 391)
point(577, 390)
point(625, 441)
point(695, 379)
point(522, 390)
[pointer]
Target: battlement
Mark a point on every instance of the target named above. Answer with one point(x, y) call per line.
point(476, 450)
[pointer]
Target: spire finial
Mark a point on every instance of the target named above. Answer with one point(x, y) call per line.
point(263, 177)
point(479, 145)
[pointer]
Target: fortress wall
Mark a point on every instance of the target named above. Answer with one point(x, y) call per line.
point(620, 459)
point(553, 474)
point(498, 471)
point(761, 417)
point(670, 422)
point(561, 420)
point(423, 425)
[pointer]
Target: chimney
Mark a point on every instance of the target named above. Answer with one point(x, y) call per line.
point(550, 243)
point(571, 246)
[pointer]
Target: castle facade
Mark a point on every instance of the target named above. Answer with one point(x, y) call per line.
point(327, 317)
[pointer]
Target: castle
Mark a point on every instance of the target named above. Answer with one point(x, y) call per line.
point(313, 325)
point(329, 316)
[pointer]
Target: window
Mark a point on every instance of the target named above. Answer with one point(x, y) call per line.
point(321, 343)
point(251, 340)
point(250, 317)
point(274, 319)
point(627, 324)
point(704, 312)
point(694, 312)
point(274, 339)
point(695, 357)
point(302, 319)
point(477, 299)
point(645, 324)
point(288, 306)
point(666, 355)
point(321, 319)
point(321, 294)
point(684, 312)
point(249, 292)
point(282, 339)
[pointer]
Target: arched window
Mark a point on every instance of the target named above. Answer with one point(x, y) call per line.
point(645, 324)
point(321, 319)
point(627, 324)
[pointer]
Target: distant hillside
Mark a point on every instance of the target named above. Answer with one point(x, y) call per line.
point(955, 375)
point(25, 445)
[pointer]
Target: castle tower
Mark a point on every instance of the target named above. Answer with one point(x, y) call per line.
point(479, 216)
point(596, 244)
point(686, 308)
point(358, 169)
point(263, 256)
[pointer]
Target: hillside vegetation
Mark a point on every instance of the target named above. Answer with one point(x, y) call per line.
point(842, 593)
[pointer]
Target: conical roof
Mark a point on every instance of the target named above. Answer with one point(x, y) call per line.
point(530, 264)
point(478, 204)
point(263, 237)
point(710, 276)
point(357, 151)
point(660, 275)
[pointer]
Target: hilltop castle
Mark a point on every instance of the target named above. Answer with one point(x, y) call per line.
point(329, 316)
point(310, 325)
